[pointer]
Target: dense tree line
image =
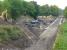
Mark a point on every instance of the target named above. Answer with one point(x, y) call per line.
point(16, 8)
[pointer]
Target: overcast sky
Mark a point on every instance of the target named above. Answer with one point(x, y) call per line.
point(60, 3)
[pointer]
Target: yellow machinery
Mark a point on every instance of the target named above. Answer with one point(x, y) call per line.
point(4, 15)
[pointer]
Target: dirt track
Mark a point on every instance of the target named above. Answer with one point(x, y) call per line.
point(47, 38)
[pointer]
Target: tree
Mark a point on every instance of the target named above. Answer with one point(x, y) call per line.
point(54, 10)
point(36, 6)
point(30, 8)
point(1, 7)
point(44, 10)
point(65, 12)
point(24, 8)
point(14, 7)
point(61, 12)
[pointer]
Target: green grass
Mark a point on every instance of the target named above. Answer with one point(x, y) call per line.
point(61, 40)
point(10, 32)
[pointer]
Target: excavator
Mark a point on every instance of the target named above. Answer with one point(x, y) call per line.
point(4, 15)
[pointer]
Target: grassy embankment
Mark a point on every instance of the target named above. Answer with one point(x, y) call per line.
point(9, 33)
point(61, 40)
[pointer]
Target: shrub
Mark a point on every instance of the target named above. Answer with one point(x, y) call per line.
point(9, 32)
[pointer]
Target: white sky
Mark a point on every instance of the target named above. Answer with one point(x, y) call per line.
point(60, 3)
